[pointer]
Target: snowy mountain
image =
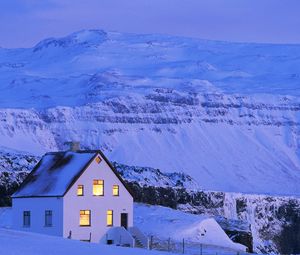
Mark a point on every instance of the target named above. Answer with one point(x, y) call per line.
point(147, 176)
point(225, 113)
point(14, 166)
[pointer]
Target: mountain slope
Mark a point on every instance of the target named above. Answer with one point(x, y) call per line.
point(225, 113)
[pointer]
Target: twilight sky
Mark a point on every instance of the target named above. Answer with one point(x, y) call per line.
point(25, 22)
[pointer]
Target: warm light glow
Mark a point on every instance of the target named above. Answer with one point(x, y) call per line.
point(116, 190)
point(109, 218)
point(80, 190)
point(98, 187)
point(85, 218)
point(98, 159)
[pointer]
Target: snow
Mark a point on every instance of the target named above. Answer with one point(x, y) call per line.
point(15, 242)
point(147, 176)
point(5, 217)
point(227, 114)
point(162, 222)
point(55, 172)
point(167, 223)
point(90, 65)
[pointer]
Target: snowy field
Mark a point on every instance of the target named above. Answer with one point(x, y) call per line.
point(165, 223)
point(15, 242)
point(160, 222)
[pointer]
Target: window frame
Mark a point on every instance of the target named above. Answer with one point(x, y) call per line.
point(84, 213)
point(48, 215)
point(26, 215)
point(82, 190)
point(118, 190)
point(98, 180)
point(112, 218)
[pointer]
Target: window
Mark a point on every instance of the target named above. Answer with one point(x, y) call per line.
point(115, 190)
point(26, 218)
point(85, 218)
point(80, 190)
point(109, 218)
point(98, 188)
point(98, 160)
point(48, 218)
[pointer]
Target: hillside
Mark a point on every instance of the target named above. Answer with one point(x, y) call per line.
point(225, 113)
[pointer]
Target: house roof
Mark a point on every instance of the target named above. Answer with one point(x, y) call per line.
point(56, 173)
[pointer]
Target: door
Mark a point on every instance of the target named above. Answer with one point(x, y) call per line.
point(124, 220)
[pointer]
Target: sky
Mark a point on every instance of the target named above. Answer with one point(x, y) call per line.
point(23, 23)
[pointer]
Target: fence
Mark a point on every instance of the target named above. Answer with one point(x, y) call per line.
point(190, 248)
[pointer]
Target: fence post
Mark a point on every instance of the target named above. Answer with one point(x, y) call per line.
point(90, 237)
point(201, 248)
point(151, 242)
point(169, 240)
point(183, 245)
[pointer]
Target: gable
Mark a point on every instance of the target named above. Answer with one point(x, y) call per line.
point(99, 171)
point(112, 172)
point(116, 173)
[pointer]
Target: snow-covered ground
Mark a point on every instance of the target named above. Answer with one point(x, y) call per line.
point(164, 223)
point(5, 217)
point(15, 242)
point(161, 222)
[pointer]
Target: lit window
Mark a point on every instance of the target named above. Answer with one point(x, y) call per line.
point(85, 218)
point(98, 188)
point(115, 190)
point(80, 190)
point(98, 159)
point(26, 218)
point(109, 218)
point(48, 218)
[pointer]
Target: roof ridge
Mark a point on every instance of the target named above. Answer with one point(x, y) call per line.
point(77, 151)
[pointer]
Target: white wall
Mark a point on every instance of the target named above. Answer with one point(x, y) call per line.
point(37, 207)
point(97, 204)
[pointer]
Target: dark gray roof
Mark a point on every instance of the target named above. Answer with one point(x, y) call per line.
point(56, 173)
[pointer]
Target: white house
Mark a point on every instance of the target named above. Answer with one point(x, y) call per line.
point(78, 195)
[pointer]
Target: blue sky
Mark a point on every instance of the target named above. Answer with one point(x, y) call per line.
point(25, 22)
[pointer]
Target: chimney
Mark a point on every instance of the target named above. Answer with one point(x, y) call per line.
point(73, 146)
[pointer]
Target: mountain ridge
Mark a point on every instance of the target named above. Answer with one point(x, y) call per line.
point(225, 113)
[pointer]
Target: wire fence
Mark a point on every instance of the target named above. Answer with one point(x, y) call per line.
point(188, 247)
